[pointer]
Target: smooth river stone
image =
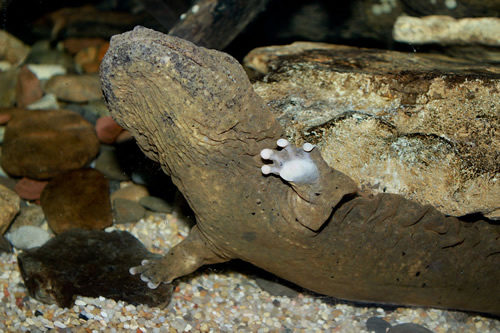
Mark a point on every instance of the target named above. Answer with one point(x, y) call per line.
point(77, 199)
point(43, 144)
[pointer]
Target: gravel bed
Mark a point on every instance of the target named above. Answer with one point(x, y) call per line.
point(208, 301)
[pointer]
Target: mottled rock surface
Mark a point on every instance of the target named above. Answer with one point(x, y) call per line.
point(89, 263)
point(42, 144)
point(77, 199)
point(423, 126)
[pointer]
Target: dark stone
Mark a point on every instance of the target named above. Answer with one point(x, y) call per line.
point(377, 325)
point(5, 245)
point(127, 211)
point(77, 199)
point(107, 162)
point(156, 204)
point(8, 182)
point(409, 328)
point(275, 288)
point(89, 263)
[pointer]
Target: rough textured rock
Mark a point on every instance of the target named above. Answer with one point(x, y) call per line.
point(89, 263)
point(77, 199)
point(42, 144)
point(75, 88)
point(447, 30)
point(198, 116)
point(422, 126)
point(9, 207)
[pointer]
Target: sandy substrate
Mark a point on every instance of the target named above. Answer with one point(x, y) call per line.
point(208, 301)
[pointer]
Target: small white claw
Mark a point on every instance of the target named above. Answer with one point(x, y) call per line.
point(144, 278)
point(133, 270)
point(307, 146)
point(144, 262)
point(266, 169)
point(266, 153)
point(282, 143)
point(152, 285)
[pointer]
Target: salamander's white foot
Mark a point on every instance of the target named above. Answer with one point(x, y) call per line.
point(291, 163)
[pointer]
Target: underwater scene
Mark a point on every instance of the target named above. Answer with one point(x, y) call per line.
point(250, 166)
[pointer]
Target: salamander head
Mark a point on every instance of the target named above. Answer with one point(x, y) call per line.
point(195, 95)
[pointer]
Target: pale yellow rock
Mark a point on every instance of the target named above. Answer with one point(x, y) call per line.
point(12, 49)
point(424, 126)
point(446, 30)
point(9, 207)
point(131, 192)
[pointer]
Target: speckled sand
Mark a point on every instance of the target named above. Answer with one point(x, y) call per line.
point(207, 301)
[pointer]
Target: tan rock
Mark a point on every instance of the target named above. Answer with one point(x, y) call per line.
point(12, 49)
point(9, 207)
point(75, 88)
point(441, 29)
point(132, 192)
point(423, 126)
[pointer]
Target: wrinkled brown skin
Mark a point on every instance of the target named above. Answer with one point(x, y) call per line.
point(194, 111)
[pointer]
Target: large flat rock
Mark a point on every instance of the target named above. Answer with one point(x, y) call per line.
point(425, 126)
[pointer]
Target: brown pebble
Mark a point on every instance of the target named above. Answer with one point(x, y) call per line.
point(107, 129)
point(74, 45)
point(4, 118)
point(132, 192)
point(42, 144)
point(90, 57)
point(30, 189)
point(28, 88)
point(77, 199)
